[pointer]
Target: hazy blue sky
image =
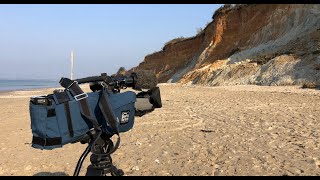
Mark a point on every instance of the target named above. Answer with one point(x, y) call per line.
point(36, 40)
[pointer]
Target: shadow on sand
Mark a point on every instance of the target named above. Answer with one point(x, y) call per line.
point(51, 174)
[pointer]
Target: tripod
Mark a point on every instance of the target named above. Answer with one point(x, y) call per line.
point(101, 161)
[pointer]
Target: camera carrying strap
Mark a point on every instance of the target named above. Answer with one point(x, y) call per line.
point(81, 97)
point(108, 114)
point(61, 97)
point(104, 105)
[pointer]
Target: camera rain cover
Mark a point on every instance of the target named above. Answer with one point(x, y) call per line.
point(60, 122)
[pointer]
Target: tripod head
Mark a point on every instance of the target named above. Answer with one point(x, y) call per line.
point(101, 161)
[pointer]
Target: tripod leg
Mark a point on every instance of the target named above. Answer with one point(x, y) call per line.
point(116, 172)
point(92, 171)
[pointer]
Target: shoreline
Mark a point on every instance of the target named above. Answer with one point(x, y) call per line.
point(22, 93)
point(28, 89)
point(26, 85)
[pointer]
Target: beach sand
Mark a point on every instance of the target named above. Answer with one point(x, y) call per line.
point(234, 130)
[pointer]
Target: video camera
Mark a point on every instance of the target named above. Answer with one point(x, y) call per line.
point(146, 101)
point(71, 115)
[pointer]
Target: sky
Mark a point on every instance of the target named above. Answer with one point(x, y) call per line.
point(36, 40)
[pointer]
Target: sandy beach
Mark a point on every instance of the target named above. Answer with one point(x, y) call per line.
point(211, 131)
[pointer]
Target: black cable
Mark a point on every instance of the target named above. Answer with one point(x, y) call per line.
point(81, 159)
point(85, 154)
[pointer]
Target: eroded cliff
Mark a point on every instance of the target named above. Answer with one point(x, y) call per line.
point(261, 44)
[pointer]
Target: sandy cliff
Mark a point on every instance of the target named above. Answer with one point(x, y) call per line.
point(261, 44)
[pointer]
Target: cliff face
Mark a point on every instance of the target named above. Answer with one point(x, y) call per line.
point(246, 44)
point(174, 56)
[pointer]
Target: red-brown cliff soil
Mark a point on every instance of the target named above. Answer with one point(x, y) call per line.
point(265, 44)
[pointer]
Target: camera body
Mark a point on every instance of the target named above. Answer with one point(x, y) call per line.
point(69, 115)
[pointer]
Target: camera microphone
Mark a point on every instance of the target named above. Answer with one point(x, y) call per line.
point(144, 79)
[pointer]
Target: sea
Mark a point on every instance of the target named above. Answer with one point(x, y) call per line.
point(13, 85)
